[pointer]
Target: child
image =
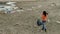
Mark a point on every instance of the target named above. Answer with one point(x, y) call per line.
point(44, 19)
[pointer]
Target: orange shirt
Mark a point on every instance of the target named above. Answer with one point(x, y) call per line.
point(44, 18)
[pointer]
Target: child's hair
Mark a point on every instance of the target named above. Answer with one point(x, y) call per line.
point(45, 13)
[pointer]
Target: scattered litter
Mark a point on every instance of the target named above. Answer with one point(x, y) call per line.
point(58, 21)
point(9, 8)
point(10, 2)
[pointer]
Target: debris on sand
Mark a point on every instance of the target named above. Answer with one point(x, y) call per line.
point(15, 7)
point(9, 7)
point(11, 3)
point(58, 21)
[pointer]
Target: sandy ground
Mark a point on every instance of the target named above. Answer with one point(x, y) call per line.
point(24, 22)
